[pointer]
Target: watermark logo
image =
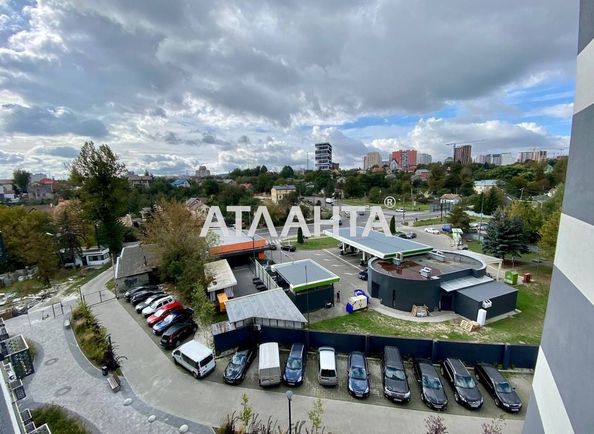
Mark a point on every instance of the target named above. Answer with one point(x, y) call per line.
point(295, 220)
point(389, 202)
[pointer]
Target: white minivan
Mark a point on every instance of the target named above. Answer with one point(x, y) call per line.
point(195, 357)
point(157, 304)
point(269, 369)
point(327, 375)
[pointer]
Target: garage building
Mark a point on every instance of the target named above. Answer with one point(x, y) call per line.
point(498, 299)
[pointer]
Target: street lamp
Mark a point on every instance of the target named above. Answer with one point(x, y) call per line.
point(290, 398)
point(307, 294)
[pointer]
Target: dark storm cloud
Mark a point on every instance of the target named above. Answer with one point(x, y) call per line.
point(48, 121)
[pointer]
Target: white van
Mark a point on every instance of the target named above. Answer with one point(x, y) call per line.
point(327, 375)
point(269, 369)
point(195, 357)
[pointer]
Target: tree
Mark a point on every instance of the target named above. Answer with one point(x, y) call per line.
point(299, 235)
point(548, 234)
point(493, 200)
point(494, 427)
point(72, 231)
point(436, 178)
point(103, 191)
point(315, 416)
point(458, 218)
point(505, 236)
point(204, 309)
point(375, 195)
point(287, 172)
point(530, 216)
point(435, 425)
point(21, 179)
point(247, 412)
point(393, 225)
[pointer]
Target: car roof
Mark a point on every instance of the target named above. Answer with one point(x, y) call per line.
point(297, 348)
point(492, 372)
point(195, 350)
point(426, 367)
point(175, 327)
point(327, 359)
point(357, 358)
point(458, 366)
point(392, 357)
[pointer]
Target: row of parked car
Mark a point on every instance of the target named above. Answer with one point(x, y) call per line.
point(166, 316)
point(394, 378)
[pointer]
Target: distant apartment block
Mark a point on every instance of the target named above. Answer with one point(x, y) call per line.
point(372, 159)
point(202, 172)
point(463, 154)
point(534, 155)
point(423, 158)
point(323, 156)
point(279, 192)
point(504, 159)
point(422, 174)
point(406, 159)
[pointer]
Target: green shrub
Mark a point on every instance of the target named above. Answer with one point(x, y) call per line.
point(58, 420)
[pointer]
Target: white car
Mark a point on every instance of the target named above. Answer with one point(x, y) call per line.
point(156, 305)
point(432, 230)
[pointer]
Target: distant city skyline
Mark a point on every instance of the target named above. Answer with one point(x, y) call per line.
point(182, 85)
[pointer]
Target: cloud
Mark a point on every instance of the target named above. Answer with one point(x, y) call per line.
point(63, 151)
point(48, 121)
point(561, 111)
point(10, 158)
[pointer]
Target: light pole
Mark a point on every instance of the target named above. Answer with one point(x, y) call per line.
point(307, 294)
point(481, 220)
point(290, 398)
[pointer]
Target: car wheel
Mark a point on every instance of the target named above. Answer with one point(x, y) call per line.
point(175, 362)
point(497, 402)
point(195, 374)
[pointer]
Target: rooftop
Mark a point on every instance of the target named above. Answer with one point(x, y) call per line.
point(379, 244)
point(304, 274)
point(221, 273)
point(135, 260)
point(271, 304)
point(284, 187)
point(487, 290)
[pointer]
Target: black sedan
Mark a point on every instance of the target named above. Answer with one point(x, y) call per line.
point(363, 275)
point(238, 366)
point(288, 248)
point(128, 294)
point(295, 367)
point(394, 376)
point(141, 296)
point(432, 392)
point(358, 375)
point(498, 387)
point(176, 334)
point(173, 318)
point(465, 390)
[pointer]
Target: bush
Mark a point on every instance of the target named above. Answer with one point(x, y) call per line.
point(91, 336)
point(58, 420)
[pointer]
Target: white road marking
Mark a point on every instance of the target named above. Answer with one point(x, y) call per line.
point(339, 258)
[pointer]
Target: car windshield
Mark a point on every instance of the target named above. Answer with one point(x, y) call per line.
point(294, 363)
point(503, 387)
point(358, 373)
point(465, 382)
point(169, 318)
point(160, 312)
point(431, 382)
point(395, 374)
point(238, 358)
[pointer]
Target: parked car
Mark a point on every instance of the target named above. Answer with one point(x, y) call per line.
point(238, 366)
point(138, 307)
point(195, 357)
point(176, 334)
point(394, 378)
point(432, 230)
point(430, 386)
point(295, 366)
point(271, 246)
point(358, 375)
point(141, 296)
point(128, 294)
point(288, 247)
point(174, 317)
point(400, 234)
point(410, 235)
point(363, 274)
point(498, 387)
point(327, 375)
point(269, 371)
point(400, 210)
point(157, 304)
point(446, 228)
point(163, 312)
point(465, 390)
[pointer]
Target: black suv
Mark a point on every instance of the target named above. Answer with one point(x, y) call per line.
point(394, 377)
point(295, 367)
point(498, 387)
point(176, 334)
point(432, 392)
point(465, 390)
point(358, 375)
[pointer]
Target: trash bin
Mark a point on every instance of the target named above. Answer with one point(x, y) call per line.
point(104, 371)
point(527, 278)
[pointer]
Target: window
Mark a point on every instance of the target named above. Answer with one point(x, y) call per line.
point(431, 382)
point(395, 374)
point(503, 387)
point(358, 373)
point(327, 373)
point(206, 361)
point(188, 360)
point(464, 382)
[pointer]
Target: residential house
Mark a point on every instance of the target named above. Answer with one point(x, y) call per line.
point(197, 207)
point(140, 180)
point(136, 265)
point(279, 192)
point(453, 199)
point(180, 183)
point(422, 174)
point(484, 185)
point(41, 190)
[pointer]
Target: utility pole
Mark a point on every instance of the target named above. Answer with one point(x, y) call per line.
point(481, 219)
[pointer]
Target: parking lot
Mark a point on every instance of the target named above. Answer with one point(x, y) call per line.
point(310, 386)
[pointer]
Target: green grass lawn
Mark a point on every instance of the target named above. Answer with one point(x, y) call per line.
point(58, 420)
point(317, 243)
point(433, 221)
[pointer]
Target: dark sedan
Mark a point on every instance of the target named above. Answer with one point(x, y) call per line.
point(394, 376)
point(465, 390)
point(498, 387)
point(149, 300)
point(128, 294)
point(176, 334)
point(358, 375)
point(288, 248)
point(141, 296)
point(173, 318)
point(295, 366)
point(363, 274)
point(238, 366)
point(430, 386)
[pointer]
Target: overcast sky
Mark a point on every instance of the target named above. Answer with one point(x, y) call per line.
point(171, 85)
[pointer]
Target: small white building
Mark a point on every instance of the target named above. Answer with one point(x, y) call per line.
point(484, 185)
point(96, 256)
point(223, 280)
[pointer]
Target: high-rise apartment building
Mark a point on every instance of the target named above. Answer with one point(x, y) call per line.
point(202, 172)
point(372, 159)
point(504, 159)
point(423, 158)
point(562, 388)
point(406, 159)
point(534, 155)
point(323, 156)
point(463, 154)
